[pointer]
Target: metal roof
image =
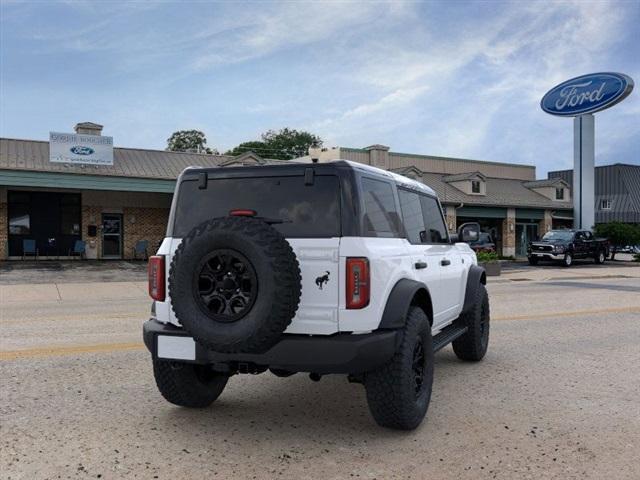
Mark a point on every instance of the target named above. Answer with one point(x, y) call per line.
point(499, 192)
point(33, 155)
point(463, 176)
point(547, 182)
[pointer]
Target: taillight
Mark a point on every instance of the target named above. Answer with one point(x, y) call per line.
point(242, 212)
point(156, 277)
point(357, 282)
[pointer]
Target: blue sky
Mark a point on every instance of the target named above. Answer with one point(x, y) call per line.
point(461, 79)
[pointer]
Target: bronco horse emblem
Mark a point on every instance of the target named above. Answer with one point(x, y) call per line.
point(321, 280)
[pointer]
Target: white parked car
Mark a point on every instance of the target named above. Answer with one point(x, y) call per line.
point(320, 268)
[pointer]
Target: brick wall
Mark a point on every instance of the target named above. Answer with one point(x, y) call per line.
point(144, 224)
point(92, 215)
point(545, 224)
point(509, 233)
point(138, 224)
point(450, 218)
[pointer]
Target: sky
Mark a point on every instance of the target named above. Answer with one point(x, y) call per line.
point(450, 78)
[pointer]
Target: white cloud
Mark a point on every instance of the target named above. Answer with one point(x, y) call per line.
point(484, 81)
point(451, 78)
point(285, 26)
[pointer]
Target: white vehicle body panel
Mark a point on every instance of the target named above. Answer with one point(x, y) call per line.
point(389, 261)
point(318, 309)
point(322, 311)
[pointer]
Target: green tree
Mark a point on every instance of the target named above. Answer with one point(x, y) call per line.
point(283, 144)
point(619, 234)
point(257, 147)
point(189, 141)
point(288, 144)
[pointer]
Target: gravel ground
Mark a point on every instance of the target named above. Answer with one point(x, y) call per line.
point(556, 397)
point(77, 271)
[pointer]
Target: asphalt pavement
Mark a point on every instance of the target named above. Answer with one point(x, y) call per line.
point(556, 396)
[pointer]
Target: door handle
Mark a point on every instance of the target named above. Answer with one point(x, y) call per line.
point(445, 262)
point(420, 265)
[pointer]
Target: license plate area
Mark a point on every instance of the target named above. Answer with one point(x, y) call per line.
point(175, 347)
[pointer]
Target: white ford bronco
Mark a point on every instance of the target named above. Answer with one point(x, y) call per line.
point(320, 268)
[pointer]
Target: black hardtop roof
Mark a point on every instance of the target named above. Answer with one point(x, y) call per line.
point(294, 168)
point(340, 167)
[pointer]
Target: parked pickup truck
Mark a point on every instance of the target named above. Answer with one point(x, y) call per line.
point(566, 245)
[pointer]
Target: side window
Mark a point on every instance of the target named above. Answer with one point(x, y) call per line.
point(412, 216)
point(436, 229)
point(381, 218)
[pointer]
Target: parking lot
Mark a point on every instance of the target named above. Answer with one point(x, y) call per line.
point(556, 396)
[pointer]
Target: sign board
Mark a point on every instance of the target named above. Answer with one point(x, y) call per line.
point(580, 97)
point(80, 149)
point(587, 94)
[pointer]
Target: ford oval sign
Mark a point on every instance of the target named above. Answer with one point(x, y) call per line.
point(587, 94)
point(78, 150)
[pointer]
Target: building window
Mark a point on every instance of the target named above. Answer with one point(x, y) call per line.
point(605, 204)
point(475, 186)
point(19, 213)
point(52, 219)
point(19, 220)
point(560, 193)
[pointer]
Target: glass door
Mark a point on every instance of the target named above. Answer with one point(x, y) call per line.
point(525, 233)
point(111, 235)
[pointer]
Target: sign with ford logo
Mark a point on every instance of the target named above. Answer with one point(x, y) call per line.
point(80, 149)
point(587, 94)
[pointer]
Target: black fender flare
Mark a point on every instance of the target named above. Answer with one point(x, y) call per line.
point(476, 277)
point(401, 298)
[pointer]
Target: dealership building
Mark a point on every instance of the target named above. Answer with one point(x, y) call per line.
point(115, 201)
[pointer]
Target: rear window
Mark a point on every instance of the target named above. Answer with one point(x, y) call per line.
point(306, 210)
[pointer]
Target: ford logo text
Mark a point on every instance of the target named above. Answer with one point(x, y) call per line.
point(79, 150)
point(587, 94)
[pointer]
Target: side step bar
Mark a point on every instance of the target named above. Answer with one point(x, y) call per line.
point(447, 335)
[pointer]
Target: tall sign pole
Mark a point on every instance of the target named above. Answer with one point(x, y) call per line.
point(583, 171)
point(580, 97)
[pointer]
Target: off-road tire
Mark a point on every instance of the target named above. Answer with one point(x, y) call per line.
point(532, 260)
point(188, 385)
point(391, 391)
point(567, 261)
point(600, 257)
point(278, 284)
point(472, 346)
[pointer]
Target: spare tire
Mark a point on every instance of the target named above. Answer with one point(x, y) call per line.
point(235, 284)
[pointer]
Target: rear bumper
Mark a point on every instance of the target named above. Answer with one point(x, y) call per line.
point(339, 353)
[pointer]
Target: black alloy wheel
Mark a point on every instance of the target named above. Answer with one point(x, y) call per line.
point(225, 285)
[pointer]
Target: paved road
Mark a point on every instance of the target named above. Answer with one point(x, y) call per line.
point(556, 397)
